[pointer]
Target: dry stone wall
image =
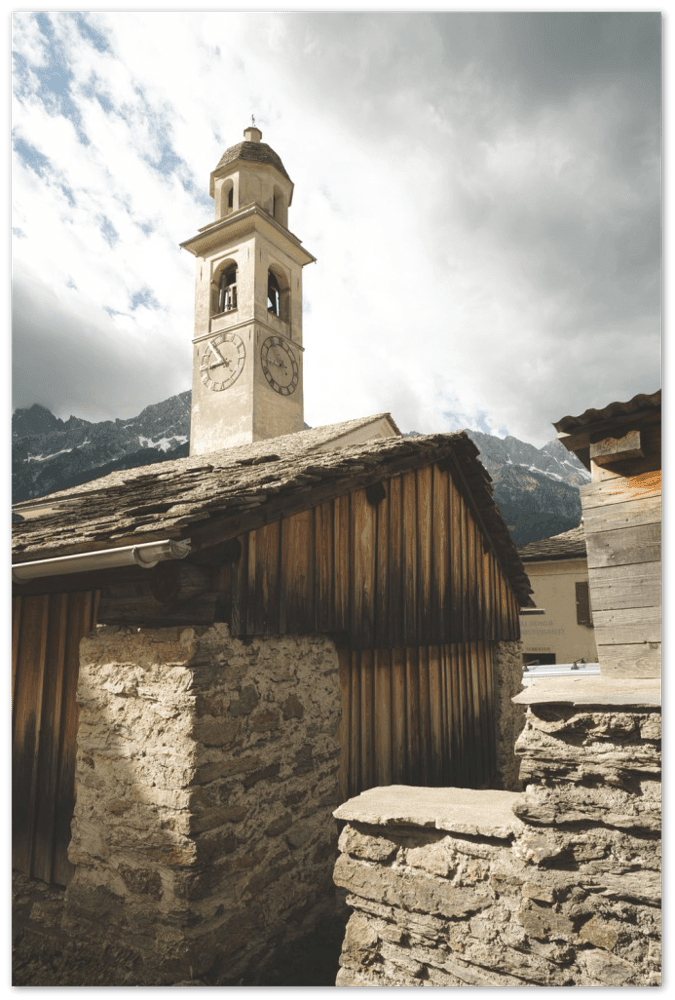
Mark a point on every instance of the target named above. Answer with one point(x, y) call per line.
point(207, 772)
point(559, 886)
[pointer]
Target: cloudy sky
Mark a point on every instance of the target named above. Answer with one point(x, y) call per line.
point(481, 192)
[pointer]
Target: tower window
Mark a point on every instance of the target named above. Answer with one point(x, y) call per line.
point(226, 198)
point(227, 289)
point(279, 206)
point(278, 294)
point(273, 294)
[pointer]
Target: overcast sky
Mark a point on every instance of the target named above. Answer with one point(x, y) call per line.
point(481, 192)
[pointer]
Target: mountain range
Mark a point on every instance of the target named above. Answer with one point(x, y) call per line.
point(537, 489)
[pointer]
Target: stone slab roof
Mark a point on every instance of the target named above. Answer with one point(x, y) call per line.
point(567, 545)
point(243, 487)
point(256, 152)
point(591, 416)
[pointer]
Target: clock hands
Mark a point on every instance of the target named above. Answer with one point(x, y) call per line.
point(221, 359)
point(224, 351)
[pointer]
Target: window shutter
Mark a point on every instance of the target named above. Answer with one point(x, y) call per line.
point(583, 604)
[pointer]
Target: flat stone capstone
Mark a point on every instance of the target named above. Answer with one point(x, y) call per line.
point(486, 813)
point(625, 692)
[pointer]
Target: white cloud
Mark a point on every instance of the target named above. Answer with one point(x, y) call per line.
point(486, 232)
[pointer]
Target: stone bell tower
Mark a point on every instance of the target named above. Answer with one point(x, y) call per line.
point(247, 353)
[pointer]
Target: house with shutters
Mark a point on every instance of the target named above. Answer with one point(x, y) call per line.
point(558, 571)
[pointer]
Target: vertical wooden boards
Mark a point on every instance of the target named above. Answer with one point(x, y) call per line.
point(486, 716)
point(44, 729)
point(382, 718)
point(324, 577)
point(413, 715)
point(463, 556)
point(354, 715)
point(263, 596)
point(437, 750)
point(404, 565)
point(82, 609)
point(425, 552)
point(396, 566)
point(410, 567)
point(472, 610)
point(341, 560)
point(400, 759)
point(297, 572)
point(440, 535)
point(424, 748)
point(462, 731)
point(26, 723)
point(367, 722)
point(48, 759)
point(418, 715)
point(362, 566)
point(383, 580)
point(456, 573)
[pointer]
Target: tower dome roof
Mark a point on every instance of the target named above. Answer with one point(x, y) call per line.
point(254, 150)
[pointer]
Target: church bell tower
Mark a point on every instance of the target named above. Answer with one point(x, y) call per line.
point(247, 345)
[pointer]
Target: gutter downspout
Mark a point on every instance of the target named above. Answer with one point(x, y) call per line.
point(146, 555)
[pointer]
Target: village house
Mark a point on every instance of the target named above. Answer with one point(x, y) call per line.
point(558, 571)
point(211, 654)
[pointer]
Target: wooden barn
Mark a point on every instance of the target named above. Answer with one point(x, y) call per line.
point(394, 548)
point(621, 446)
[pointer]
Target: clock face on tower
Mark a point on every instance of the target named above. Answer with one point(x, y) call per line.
point(279, 365)
point(222, 361)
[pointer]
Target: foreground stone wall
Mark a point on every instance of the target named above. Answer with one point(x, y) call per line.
point(207, 772)
point(559, 886)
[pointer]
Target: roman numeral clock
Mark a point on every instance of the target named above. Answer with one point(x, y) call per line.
point(247, 361)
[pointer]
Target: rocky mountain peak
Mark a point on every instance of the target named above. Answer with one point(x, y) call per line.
point(35, 419)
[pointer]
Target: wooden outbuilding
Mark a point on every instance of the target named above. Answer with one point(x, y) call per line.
point(621, 446)
point(394, 548)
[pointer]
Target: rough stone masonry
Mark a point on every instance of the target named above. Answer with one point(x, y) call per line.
point(207, 772)
point(559, 886)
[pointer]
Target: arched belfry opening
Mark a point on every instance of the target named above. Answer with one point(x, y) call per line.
point(278, 294)
point(224, 294)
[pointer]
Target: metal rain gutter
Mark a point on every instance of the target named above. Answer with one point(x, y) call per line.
point(146, 555)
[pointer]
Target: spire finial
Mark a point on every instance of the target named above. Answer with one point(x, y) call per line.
point(252, 133)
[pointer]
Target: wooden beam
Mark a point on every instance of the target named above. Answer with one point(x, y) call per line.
point(616, 449)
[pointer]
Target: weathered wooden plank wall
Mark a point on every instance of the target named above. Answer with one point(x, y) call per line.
point(622, 524)
point(46, 633)
point(406, 565)
point(421, 715)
